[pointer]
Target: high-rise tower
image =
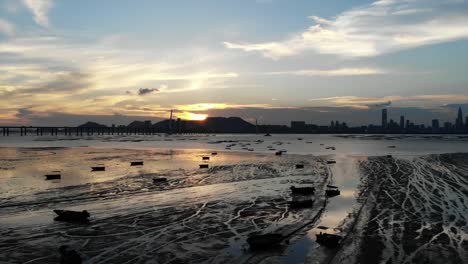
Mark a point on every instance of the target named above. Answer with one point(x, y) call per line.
point(384, 118)
point(459, 121)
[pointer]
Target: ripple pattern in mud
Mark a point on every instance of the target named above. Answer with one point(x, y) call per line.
point(420, 210)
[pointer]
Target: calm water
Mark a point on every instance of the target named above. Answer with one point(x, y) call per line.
point(310, 144)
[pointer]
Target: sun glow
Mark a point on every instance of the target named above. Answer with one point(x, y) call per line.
point(192, 116)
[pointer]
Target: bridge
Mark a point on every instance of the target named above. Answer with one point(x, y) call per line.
point(77, 131)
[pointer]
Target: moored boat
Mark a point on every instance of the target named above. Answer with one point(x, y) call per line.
point(136, 163)
point(302, 190)
point(328, 240)
point(99, 167)
point(72, 216)
point(295, 204)
point(265, 241)
point(54, 175)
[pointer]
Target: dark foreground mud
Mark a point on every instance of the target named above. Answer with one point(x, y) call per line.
point(415, 211)
point(200, 215)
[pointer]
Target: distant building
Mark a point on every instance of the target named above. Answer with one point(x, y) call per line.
point(298, 125)
point(466, 123)
point(384, 118)
point(402, 122)
point(448, 126)
point(459, 120)
point(435, 124)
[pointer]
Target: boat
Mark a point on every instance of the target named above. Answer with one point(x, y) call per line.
point(159, 180)
point(136, 163)
point(69, 255)
point(204, 166)
point(214, 153)
point(391, 146)
point(98, 168)
point(332, 192)
point(299, 166)
point(389, 156)
point(55, 175)
point(328, 240)
point(205, 158)
point(72, 216)
point(295, 204)
point(331, 161)
point(302, 190)
point(267, 135)
point(278, 153)
point(265, 241)
point(332, 186)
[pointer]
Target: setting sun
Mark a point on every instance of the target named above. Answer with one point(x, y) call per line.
point(192, 116)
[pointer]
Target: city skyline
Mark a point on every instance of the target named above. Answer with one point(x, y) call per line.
point(64, 63)
point(238, 125)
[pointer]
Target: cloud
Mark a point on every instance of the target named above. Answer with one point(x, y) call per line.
point(40, 10)
point(426, 101)
point(371, 30)
point(379, 105)
point(144, 91)
point(6, 27)
point(332, 72)
point(61, 82)
point(23, 112)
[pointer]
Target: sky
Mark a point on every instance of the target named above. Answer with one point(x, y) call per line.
point(65, 62)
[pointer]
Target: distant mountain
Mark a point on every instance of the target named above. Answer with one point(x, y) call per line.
point(91, 124)
point(211, 125)
point(227, 125)
point(140, 124)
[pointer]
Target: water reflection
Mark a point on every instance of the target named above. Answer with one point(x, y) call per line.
point(345, 175)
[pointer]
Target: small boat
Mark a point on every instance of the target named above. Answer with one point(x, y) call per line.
point(299, 166)
point(295, 204)
point(227, 148)
point(302, 190)
point(204, 166)
point(100, 167)
point(328, 240)
point(205, 158)
point(332, 192)
point(332, 186)
point(214, 153)
point(331, 161)
point(69, 255)
point(159, 180)
point(136, 163)
point(267, 135)
point(72, 216)
point(299, 139)
point(389, 156)
point(250, 149)
point(258, 242)
point(55, 175)
point(391, 146)
point(278, 153)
